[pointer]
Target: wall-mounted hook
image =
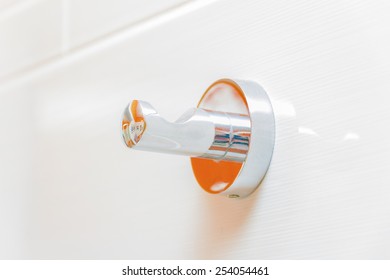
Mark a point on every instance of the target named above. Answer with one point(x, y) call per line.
point(229, 136)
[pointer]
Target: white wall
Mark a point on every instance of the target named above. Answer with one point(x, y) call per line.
point(70, 189)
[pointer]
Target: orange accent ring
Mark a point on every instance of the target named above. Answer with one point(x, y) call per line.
point(212, 175)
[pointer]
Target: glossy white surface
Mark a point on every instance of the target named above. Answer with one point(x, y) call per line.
point(70, 189)
point(105, 16)
point(5, 4)
point(29, 32)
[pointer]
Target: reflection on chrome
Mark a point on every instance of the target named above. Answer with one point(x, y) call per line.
point(229, 136)
point(199, 132)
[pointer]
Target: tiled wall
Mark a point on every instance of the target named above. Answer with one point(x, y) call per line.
point(35, 31)
point(70, 189)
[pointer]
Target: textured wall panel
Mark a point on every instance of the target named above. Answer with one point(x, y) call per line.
point(325, 65)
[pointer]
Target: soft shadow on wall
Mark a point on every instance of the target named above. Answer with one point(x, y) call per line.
point(223, 222)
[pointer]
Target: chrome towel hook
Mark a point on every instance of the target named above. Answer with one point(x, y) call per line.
point(229, 136)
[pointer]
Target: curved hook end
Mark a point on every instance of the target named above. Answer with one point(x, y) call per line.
point(133, 121)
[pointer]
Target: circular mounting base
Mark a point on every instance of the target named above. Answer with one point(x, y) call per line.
point(238, 179)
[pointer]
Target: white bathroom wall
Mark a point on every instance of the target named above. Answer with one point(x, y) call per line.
point(70, 189)
point(91, 19)
point(30, 32)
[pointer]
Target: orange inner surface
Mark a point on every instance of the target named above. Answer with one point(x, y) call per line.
point(136, 111)
point(216, 176)
point(210, 173)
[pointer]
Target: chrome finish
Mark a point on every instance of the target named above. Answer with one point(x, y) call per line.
point(255, 103)
point(230, 135)
point(198, 132)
